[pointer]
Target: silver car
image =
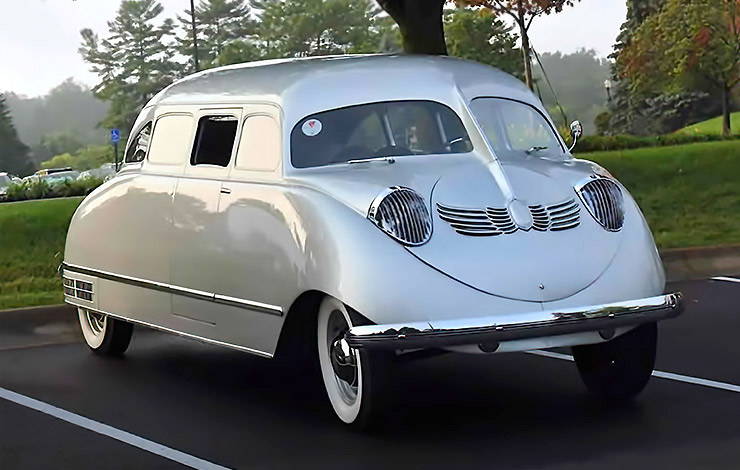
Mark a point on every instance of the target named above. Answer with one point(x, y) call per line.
point(354, 210)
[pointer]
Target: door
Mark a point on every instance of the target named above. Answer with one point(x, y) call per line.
point(197, 249)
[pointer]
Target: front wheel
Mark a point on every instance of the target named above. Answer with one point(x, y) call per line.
point(356, 381)
point(103, 334)
point(619, 369)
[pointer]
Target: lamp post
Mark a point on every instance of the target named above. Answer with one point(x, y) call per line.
point(608, 86)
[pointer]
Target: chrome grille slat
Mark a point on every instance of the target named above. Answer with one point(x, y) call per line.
point(497, 220)
point(402, 214)
point(604, 200)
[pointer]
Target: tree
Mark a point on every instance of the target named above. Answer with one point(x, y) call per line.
point(420, 23)
point(215, 25)
point(628, 109)
point(686, 41)
point(524, 12)
point(578, 80)
point(477, 34)
point(13, 153)
point(133, 62)
point(298, 28)
point(83, 159)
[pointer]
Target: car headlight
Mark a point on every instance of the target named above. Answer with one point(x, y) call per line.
point(604, 200)
point(401, 213)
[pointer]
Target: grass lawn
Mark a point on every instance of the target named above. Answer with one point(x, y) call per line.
point(690, 194)
point(713, 126)
point(32, 235)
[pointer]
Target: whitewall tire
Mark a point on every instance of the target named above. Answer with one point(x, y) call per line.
point(355, 381)
point(104, 334)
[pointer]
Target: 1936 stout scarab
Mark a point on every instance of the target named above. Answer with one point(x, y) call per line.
point(385, 204)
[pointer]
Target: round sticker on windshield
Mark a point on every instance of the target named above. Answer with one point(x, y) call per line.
point(311, 127)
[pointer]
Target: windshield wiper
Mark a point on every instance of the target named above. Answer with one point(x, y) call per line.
point(536, 149)
point(389, 160)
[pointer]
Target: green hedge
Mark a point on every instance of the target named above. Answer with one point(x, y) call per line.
point(41, 189)
point(595, 143)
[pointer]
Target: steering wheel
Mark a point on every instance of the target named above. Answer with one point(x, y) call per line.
point(393, 151)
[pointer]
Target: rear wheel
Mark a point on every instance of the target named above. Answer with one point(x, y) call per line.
point(619, 369)
point(356, 381)
point(104, 334)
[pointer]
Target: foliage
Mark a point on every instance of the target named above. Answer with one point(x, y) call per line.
point(578, 79)
point(476, 34)
point(32, 250)
point(41, 189)
point(133, 62)
point(523, 12)
point(300, 28)
point(712, 126)
point(593, 143)
point(13, 152)
point(601, 121)
point(52, 123)
point(628, 108)
point(683, 43)
point(219, 23)
point(83, 159)
point(688, 193)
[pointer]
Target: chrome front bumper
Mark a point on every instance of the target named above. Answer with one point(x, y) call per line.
point(487, 330)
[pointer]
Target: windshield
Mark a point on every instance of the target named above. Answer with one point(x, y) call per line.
point(396, 128)
point(516, 130)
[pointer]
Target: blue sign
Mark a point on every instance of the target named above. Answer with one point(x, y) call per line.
point(115, 135)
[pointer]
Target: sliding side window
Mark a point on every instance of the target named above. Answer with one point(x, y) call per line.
point(214, 141)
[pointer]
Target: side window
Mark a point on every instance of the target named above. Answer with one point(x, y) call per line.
point(140, 144)
point(214, 140)
point(259, 146)
point(170, 140)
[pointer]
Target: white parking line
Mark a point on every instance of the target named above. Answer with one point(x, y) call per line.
point(105, 430)
point(725, 278)
point(657, 373)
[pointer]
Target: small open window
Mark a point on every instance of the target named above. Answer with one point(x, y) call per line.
point(140, 144)
point(214, 140)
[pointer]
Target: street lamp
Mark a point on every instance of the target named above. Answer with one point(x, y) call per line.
point(608, 86)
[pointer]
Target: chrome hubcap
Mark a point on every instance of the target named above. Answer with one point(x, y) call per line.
point(343, 358)
point(96, 322)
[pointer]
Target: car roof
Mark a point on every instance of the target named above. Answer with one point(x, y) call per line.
point(308, 85)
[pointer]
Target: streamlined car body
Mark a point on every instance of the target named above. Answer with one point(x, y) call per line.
point(386, 205)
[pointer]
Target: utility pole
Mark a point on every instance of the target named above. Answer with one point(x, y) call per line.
point(195, 36)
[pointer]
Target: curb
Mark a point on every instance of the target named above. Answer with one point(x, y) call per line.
point(682, 264)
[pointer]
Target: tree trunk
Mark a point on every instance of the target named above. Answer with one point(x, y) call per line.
point(196, 62)
point(420, 22)
point(526, 50)
point(726, 124)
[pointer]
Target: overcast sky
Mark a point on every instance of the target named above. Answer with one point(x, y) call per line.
point(39, 38)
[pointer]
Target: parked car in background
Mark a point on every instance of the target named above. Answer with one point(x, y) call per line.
point(105, 171)
point(297, 207)
point(61, 177)
point(5, 181)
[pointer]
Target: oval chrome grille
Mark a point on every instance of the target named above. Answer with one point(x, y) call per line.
point(498, 220)
point(604, 201)
point(402, 214)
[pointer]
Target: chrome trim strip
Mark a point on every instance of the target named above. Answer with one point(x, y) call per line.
point(529, 325)
point(175, 332)
point(172, 289)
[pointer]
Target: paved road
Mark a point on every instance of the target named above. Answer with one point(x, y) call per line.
point(454, 411)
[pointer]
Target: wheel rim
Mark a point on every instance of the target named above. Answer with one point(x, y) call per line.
point(343, 358)
point(94, 326)
point(96, 321)
point(341, 366)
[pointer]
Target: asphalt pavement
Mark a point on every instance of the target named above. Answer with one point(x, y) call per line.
point(227, 409)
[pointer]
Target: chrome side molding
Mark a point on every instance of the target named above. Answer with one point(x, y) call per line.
point(177, 290)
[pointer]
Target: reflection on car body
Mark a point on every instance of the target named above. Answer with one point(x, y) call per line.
point(265, 205)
